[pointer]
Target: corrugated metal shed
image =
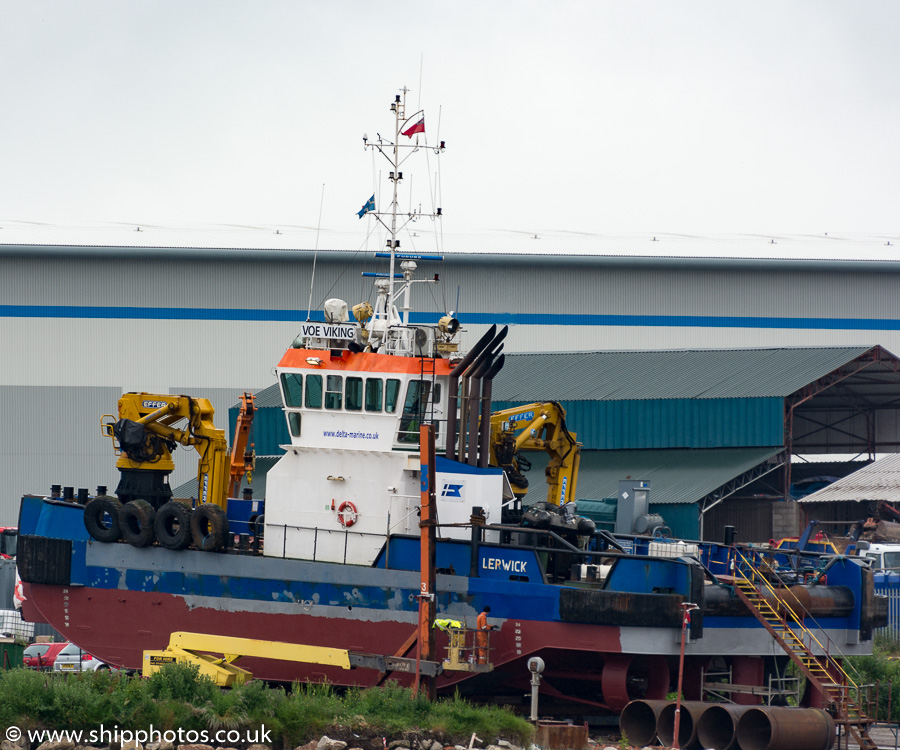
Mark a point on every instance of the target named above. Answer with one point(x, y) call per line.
point(268, 430)
point(676, 476)
point(258, 483)
point(673, 423)
point(879, 480)
point(266, 397)
point(694, 399)
point(646, 375)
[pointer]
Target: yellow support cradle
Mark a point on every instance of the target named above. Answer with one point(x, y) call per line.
point(195, 648)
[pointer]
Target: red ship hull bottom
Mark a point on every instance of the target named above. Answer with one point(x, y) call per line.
point(585, 663)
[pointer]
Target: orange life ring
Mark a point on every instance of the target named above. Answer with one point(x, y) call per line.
point(352, 514)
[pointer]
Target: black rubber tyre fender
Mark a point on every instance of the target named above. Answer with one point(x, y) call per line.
point(136, 521)
point(173, 525)
point(259, 526)
point(209, 527)
point(101, 518)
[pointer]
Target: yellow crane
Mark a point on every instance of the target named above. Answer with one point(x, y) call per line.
point(537, 427)
point(149, 427)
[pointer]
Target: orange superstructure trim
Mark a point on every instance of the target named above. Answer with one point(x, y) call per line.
point(359, 362)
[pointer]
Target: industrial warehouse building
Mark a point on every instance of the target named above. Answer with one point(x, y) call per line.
point(713, 431)
point(91, 312)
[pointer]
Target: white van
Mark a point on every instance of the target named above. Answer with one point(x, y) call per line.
point(885, 557)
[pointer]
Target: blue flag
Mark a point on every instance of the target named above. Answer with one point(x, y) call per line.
point(369, 205)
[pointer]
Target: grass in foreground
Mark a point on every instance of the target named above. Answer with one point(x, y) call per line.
point(177, 697)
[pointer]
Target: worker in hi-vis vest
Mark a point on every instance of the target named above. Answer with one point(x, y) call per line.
point(481, 635)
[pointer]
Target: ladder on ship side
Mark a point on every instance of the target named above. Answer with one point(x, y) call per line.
point(786, 626)
point(427, 374)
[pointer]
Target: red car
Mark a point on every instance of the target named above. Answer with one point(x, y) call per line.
point(41, 656)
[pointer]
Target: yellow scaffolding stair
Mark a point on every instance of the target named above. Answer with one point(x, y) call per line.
point(789, 631)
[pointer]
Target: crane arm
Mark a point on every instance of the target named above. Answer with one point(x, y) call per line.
point(537, 427)
point(149, 428)
point(242, 457)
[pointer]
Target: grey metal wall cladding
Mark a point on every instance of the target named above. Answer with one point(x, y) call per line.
point(810, 289)
point(726, 290)
point(673, 423)
point(7, 583)
point(54, 438)
point(173, 282)
point(701, 373)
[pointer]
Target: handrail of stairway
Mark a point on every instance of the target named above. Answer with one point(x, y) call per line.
point(799, 621)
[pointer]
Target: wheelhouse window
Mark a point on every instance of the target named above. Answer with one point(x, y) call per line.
point(374, 394)
point(292, 388)
point(354, 394)
point(334, 391)
point(313, 391)
point(413, 411)
point(391, 395)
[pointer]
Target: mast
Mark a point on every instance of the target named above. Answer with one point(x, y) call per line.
point(392, 150)
point(398, 107)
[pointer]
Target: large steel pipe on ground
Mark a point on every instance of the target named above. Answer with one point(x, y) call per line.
point(717, 728)
point(691, 711)
point(627, 677)
point(637, 722)
point(766, 728)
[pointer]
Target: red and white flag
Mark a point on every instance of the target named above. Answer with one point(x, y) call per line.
point(419, 127)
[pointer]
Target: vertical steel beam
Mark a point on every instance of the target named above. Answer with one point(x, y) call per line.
point(427, 523)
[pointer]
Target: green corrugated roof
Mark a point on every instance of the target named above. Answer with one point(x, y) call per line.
point(675, 476)
point(265, 397)
point(646, 375)
point(626, 375)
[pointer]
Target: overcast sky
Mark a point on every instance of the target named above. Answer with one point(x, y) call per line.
point(602, 116)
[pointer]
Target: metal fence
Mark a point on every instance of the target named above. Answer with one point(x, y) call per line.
point(891, 589)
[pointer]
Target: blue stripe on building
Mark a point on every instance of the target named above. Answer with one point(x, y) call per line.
point(675, 321)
